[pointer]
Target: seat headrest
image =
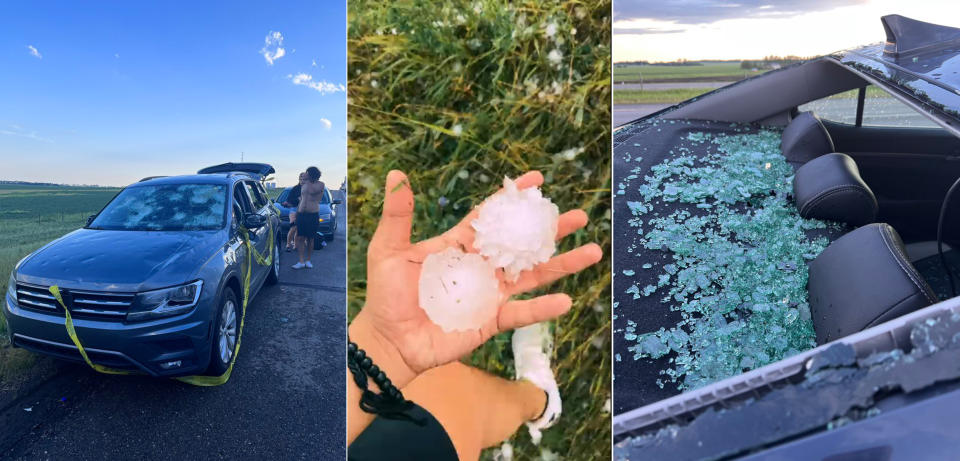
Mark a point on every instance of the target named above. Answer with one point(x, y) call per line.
point(805, 139)
point(829, 187)
point(862, 280)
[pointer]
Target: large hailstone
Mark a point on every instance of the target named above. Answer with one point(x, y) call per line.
point(458, 291)
point(516, 229)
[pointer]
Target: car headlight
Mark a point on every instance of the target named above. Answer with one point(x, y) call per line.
point(165, 302)
point(12, 287)
point(324, 217)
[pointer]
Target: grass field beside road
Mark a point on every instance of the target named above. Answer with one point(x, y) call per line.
point(656, 96)
point(673, 96)
point(725, 71)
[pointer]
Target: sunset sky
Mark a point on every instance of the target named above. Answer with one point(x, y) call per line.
point(667, 30)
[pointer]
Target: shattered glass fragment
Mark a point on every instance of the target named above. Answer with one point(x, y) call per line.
point(719, 208)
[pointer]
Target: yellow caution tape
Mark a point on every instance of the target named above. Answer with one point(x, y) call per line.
point(55, 290)
point(196, 380)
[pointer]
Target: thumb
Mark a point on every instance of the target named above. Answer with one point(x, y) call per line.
point(394, 229)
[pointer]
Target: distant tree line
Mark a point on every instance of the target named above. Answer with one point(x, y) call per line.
point(50, 184)
point(770, 62)
point(679, 62)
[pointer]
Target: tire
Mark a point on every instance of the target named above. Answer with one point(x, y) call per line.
point(218, 363)
point(319, 243)
point(274, 275)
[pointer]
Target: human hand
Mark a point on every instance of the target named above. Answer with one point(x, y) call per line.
point(392, 324)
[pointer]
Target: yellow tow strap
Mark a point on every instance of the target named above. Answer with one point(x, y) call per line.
point(196, 380)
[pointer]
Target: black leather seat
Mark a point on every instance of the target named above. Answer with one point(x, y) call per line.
point(861, 280)
point(830, 187)
point(805, 139)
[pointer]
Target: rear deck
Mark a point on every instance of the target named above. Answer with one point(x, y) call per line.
point(710, 256)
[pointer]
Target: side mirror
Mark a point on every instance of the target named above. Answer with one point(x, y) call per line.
point(90, 219)
point(254, 221)
point(337, 201)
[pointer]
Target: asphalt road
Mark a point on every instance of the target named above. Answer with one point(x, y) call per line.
point(623, 113)
point(283, 401)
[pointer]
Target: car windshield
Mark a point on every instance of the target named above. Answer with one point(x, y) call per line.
point(168, 207)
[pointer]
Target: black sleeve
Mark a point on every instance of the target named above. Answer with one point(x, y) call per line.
point(294, 197)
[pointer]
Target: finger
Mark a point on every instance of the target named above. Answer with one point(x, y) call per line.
point(520, 313)
point(529, 179)
point(556, 268)
point(462, 233)
point(570, 222)
point(393, 231)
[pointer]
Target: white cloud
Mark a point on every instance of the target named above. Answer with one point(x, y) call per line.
point(326, 123)
point(322, 86)
point(17, 130)
point(34, 52)
point(273, 47)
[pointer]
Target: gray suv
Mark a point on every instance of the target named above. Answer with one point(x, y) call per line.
point(154, 281)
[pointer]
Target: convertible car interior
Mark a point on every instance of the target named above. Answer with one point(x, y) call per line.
point(869, 162)
point(786, 258)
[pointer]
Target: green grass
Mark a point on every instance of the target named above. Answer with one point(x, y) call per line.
point(725, 71)
point(656, 96)
point(489, 73)
point(682, 94)
point(872, 92)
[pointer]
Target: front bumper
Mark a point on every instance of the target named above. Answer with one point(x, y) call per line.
point(134, 346)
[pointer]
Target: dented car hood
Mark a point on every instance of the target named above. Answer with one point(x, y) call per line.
point(121, 260)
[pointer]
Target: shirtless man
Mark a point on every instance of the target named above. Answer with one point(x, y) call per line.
point(308, 216)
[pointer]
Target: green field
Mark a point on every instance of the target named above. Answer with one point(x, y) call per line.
point(674, 96)
point(725, 71)
point(656, 96)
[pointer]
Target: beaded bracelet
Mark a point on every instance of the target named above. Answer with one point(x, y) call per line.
point(389, 403)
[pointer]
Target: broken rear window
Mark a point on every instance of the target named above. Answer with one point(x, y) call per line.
point(171, 207)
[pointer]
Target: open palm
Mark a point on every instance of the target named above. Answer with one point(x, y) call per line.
point(393, 272)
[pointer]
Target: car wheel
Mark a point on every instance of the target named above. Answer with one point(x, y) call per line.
point(274, 276)
point(226, 331)
point(319, 243)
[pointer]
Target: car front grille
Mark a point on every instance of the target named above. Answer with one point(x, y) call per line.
point(37, 298)
point(82, 304)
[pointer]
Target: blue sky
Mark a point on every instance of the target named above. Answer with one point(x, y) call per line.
point(110, 92)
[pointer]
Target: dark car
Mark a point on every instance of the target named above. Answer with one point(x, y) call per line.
point(328, 216)
point(786, 261)
point(154, 282)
